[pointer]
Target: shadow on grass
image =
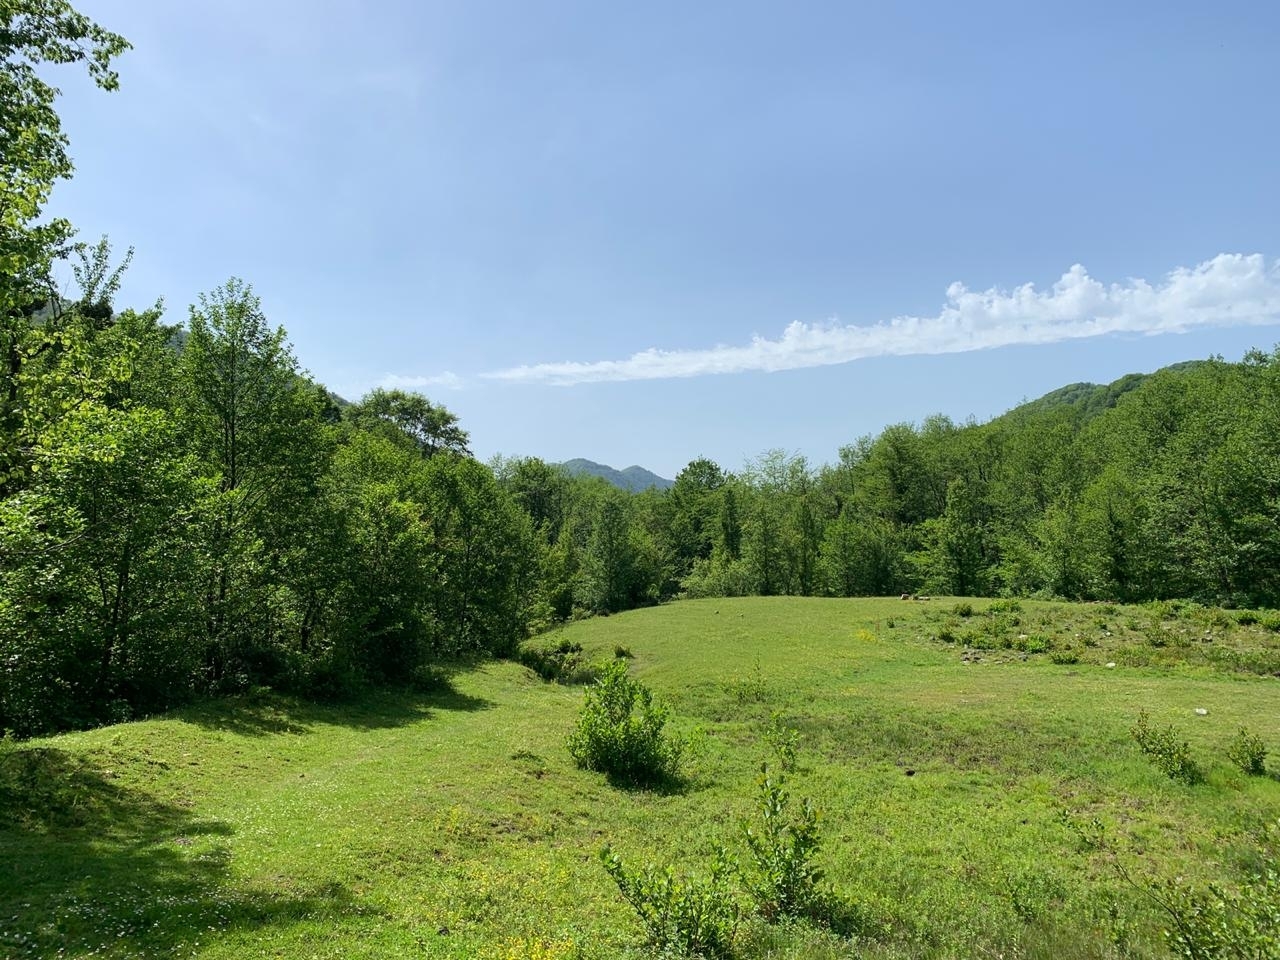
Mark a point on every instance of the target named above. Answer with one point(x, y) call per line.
point(666, 786)
point(91, 865)
point(267, 713)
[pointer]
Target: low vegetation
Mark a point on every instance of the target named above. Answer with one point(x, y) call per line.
point(621, 732)
point(966, 803)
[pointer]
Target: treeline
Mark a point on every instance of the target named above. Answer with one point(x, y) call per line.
point(1154, 487)
point(182, 522)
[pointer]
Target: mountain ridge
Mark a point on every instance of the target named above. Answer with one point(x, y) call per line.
point(633, 478)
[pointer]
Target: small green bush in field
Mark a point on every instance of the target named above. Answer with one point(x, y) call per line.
point(1248, 752)
point(782, 876)
point(620, 731)
point(1004, 605)
point(1171, 755)
point(783, 741)
point(963, 609)
point(562, 663)
point(683, 916)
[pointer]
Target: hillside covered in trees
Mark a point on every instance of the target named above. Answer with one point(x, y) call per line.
point(183, 511)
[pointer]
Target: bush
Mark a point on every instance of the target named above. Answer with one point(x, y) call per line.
point(619, 731)
point(782, 741)
point(1221, 922)
point(562, 663)
point(1247, 618)
point(1170, 755)
point(1005, 605)
point(963, 609)
point(681, 915)
point(1064, 658)
point(1034, 643)
point(1248, 752)
point(782, 877)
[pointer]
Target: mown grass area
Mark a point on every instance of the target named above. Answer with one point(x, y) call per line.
point(959, 789)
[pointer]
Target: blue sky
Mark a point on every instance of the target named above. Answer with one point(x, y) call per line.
point(640, 233)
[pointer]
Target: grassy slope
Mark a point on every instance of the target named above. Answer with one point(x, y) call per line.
point(457, 826)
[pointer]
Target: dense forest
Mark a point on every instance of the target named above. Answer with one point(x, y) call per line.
point(184, 511)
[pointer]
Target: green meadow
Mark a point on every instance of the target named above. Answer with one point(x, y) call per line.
point(980, 792)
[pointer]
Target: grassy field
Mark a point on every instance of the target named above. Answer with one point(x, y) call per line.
point(962, 774)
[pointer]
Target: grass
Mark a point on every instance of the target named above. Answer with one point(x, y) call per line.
point(961, 791)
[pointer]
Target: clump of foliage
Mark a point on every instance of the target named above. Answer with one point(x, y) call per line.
point(620, 731)
point(782, 876)
point(963, 609)
point(1004, 605)
point(1224, 923)
point(682, 915)
point(1170, 755)
point(1248, 752)
point(562, 663)
point(783, 741)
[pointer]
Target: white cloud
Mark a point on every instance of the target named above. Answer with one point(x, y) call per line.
point(1229, 290)
point(447, 380)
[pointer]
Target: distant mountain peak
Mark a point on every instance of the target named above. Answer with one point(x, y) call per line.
point(633, 478)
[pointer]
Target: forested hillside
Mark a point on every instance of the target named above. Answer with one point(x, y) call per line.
point(183, 511)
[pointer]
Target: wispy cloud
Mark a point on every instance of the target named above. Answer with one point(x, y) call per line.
point(447, 380)
point(1229, 290)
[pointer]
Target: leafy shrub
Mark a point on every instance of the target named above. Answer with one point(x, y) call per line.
point(1248, 752)
point(562, 663)
point(1271, 620)
point(681, 915)
point(620, 731)
point(750, 689)
point(782, 740)
point(1247, 618)
point(947, 633)
point(1166, 609)
point(963, 609)
point(1223, 923)
point(1004, 605)
point(1033, 643)
point(1169, 754)
point(782, 877)
point(622, 653)
point(1064, 657)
